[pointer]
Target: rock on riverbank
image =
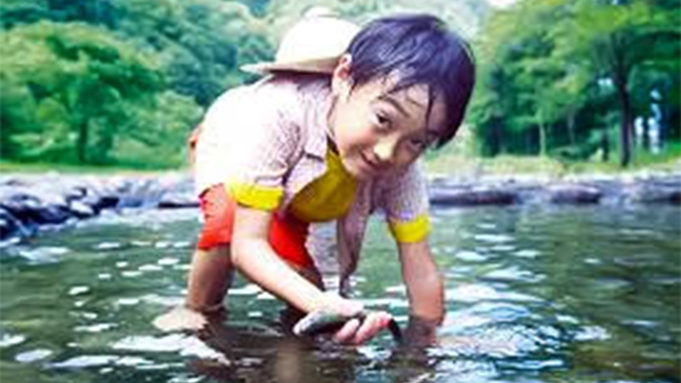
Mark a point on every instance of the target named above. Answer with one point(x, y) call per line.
point(29, 202)
point(588, 189)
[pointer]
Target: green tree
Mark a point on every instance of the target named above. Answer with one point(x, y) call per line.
point(553, 71)
point(73, 90)
point(514, 109)
point(615, 39)
point(201, 44)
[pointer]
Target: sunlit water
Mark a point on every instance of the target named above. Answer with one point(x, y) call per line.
point(534, 294)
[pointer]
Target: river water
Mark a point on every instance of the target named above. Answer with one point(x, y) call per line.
point(534, 294)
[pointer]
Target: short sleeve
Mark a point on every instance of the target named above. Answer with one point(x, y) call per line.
point(404, 199)
point(250, 145)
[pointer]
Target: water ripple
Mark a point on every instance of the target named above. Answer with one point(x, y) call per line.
point(33, 355)
point(513, 273)
point(127, 301)
point(131, 273)
point(500, 312)
point(470, 256)
point(108, 246)
point(167, 261)
point(493, 238)
point(95, 328)
point(592, 333)
point(478, 292)
point(150, 267)
point(78, 290)
point(44, 254)
point(183, 344)
point(249, 289)
point(527, 253)
point(86, 361)
point(7, 340)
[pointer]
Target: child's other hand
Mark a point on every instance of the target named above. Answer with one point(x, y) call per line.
point(421, 332)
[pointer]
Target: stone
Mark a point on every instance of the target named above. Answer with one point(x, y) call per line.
point(173, 200)
point(52, 214)
point(651, 193)
point(10, 225)
point(471, 197)
point(574, 194)
point(22, 206)
point(81, 210)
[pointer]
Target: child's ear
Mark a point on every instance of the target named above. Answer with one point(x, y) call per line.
point(341, 82)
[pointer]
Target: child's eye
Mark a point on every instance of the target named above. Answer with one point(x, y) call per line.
point(382, 121)
point(418, 144)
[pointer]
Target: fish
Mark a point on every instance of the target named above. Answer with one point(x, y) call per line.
point(322, 321)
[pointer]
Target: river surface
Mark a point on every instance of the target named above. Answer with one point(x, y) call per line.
point(534, 294)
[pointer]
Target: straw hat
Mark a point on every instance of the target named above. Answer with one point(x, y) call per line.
point(314, 44)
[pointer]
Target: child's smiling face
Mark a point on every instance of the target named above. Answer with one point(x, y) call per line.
point(378, 130)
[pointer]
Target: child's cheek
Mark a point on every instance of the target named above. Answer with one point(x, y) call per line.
point(405, 159)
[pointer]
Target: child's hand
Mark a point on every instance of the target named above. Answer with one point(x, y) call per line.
point(421, 332)
point(347, 319)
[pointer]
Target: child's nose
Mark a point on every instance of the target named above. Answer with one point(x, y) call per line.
point(385, 150)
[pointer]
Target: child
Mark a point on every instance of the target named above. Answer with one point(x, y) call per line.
point(299, 148)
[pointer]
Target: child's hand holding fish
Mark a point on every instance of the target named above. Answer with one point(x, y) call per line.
point(348, 320)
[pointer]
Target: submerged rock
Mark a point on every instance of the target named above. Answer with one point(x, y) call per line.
point(472, 197)
point(574, 194)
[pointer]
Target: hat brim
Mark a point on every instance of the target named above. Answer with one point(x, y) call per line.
point(323, 65)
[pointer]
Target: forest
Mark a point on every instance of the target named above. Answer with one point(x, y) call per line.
point(113, 82)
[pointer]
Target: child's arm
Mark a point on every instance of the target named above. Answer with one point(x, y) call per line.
point(253, 256)
point(424, 290)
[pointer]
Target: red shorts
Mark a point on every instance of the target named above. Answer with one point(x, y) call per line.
point(287, 235)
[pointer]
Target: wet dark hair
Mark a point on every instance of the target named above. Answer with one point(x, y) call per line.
point(420, 50)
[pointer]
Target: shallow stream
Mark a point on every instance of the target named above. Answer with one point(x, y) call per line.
point(534, 294)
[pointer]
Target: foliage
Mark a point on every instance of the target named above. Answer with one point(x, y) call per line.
point(124, 81)
point(554, 72)
point(109, 81)
point(72, 92)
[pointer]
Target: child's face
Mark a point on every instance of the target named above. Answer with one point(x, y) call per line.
point(378, 131)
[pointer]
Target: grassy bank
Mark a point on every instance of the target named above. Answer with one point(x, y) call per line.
point(39, 167)
point(450, 163)
point(454, 164)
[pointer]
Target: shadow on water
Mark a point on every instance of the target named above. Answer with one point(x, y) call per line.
point(534, 294)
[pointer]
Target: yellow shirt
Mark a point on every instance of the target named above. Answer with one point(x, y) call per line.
point(327, 197)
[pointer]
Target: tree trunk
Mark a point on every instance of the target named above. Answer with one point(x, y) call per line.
point(542, 140)
point(625, 124)
point(605, 146)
